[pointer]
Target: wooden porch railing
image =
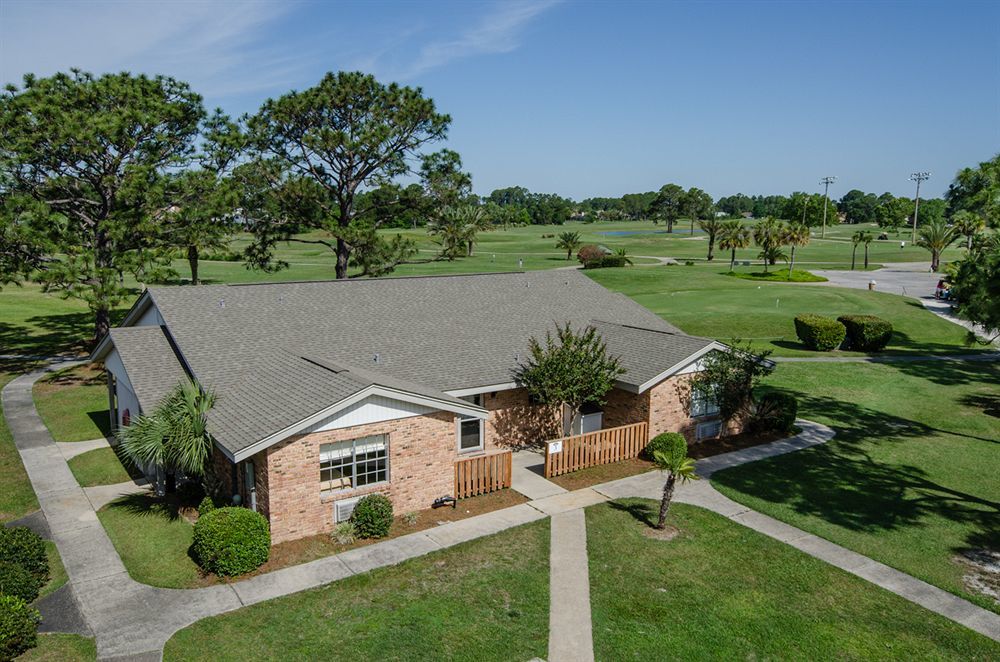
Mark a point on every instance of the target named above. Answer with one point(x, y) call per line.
point(480, 474)
point(594, 448)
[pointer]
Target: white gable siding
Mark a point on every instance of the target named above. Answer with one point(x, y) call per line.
point(694, 366)
point(123, 387)
point(151, 317)
point(373, 409)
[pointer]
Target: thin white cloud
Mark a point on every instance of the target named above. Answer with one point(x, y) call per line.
point(218, 47)
point(498, 32)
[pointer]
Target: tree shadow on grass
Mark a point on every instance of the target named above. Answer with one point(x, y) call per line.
point(841, 483)
point(51, 335)
point(149, 505)
point(640, 511)
point(952, 373)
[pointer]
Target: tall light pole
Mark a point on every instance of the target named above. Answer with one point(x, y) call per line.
point(826, 181)
point(917, 177)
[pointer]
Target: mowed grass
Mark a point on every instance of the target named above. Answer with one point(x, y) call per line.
point(152, 539)
point(73, 403)
point(487, 599)
point(57, 571)
point(102, 466)
point(911, 478)
point(17, 498)
point(61, 648)
point(704, 302)
point(722, 591)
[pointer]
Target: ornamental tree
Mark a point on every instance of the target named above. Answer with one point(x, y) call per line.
point(975, 285)
point(731, 377)
point(82, 161)
point(315, 153)
point(570, 369)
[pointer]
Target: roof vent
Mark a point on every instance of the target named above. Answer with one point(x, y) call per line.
point(377, 358)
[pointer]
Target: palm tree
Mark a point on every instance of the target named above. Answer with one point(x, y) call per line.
point(856, 239)
point(968, 225)
point(796, 234)
point(769, 236)
point(935, 236)
point(733, 235)
point(457, 228)
point(174, 438)
point(867, 241)
point(711, 227)
point(570, 241)
point(677, 464)
point(623, 254)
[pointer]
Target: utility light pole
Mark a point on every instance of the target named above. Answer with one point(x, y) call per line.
point(826, 181)
point(917, 177)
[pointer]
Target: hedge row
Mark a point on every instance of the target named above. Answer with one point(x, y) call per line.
point(24, 568)
point(862, 333)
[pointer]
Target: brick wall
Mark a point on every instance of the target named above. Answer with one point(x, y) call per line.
point(422, 450)
point(624, 408)
point(515, 423)
point(670, 406)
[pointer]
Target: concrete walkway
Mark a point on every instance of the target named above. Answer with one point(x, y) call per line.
point(528, 476)
point(133, 621)
point(102, 495)
point(71, 449)
point(570, 633)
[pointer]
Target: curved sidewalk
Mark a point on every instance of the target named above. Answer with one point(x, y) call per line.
point(133, 621)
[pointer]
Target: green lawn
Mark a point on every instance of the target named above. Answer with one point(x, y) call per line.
point(17, 498)
point(73, 403)
point(704, 302)
point(911, 479)
point(721, 591)
point(779, 276)
point(61, 648)
point(152, 539)
point(57, 571)
point(102, 466)
point(483, 600)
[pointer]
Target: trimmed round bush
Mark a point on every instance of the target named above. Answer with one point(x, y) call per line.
point(372, 517)
point(17, 581)
point(819, 333)
point(866, 333)
point(776, 412)
point(18, 626)
point(24, 547)
point(231, 541)
point(671, 444)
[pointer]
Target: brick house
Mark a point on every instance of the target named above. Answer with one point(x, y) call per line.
point(327, 391)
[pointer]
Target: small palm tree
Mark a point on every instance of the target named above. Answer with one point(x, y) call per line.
point(623, 254)
point(676, 463)
point(935, 236)
point(867, 241)
point(796, 234)
point(856, 239)
point(733, 235)
point(175, 436)
point(569, 241)
point(769, 236)
point(711, 227)
point(968, 225)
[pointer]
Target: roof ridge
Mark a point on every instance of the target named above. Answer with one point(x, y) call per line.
point(385, 278)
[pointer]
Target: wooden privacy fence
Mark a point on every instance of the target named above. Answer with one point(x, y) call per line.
point(594, 448)
point(480, 474)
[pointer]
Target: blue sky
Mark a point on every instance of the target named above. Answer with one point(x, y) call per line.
point(592, 98)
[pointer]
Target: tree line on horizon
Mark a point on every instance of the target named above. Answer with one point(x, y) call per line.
point(119, 174)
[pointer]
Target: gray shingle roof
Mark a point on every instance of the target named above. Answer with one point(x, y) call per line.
point(152, 367)
point(272, 351)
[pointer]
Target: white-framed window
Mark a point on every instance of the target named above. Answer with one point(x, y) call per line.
point(470, 430)
point(708, 430)
point(354, 463)
point(703, 404)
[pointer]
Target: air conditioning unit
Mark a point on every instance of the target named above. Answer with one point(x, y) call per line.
point(343, 509)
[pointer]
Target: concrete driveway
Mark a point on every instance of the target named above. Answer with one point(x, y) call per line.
point(909, 279)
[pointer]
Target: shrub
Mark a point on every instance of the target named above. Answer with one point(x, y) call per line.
point(18, 626)
point(206, 506)
point(372, 516)
point(17, 581)
point(819, 333)
point(343, 533)
point(671, 444)
point(24, 547)
point(190, 493)
point(775, 412)
point(231, 541)
point(605, 261)
point(866, 333)
point(590, 253)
